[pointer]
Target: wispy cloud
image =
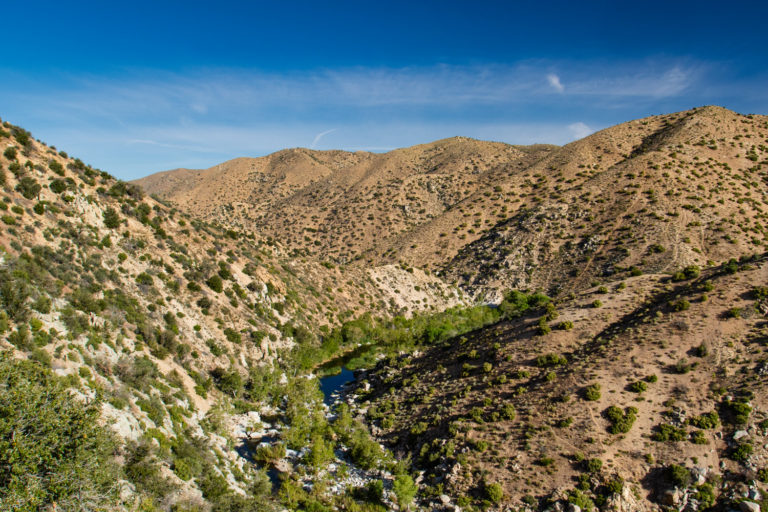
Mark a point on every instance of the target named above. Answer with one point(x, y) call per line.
point(140, 120)
point(554, 81)
point(580, 130)
point(319, 136)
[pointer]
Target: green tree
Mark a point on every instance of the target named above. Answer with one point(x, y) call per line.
point(111, 218)
point(28, 187)
point(58, 186)
point(52, 449)
point(215, 283)
point(404, 489)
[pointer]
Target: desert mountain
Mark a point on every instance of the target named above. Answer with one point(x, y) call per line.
point(652, 194)
point(345, 206)
point(157, 321)
point(162, 352)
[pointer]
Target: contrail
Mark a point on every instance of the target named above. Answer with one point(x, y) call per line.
point(320, 136)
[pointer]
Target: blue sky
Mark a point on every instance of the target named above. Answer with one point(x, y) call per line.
point(134, 88)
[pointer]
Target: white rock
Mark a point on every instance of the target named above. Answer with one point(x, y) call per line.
point(739, 434)
point(749, 506)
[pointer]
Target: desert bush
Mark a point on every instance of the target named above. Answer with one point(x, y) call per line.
point(731, 266)
point(678, 476)
point(689, 272)
point(594, 465)
point(706, 420)
point(28, 187)
point(666, 432)
point(111, 218)
point(551, 359)
point(592, 392)
point(741, 452)
point(737, 410)
point(494, 492)
point(621, 421)
point(215, 283)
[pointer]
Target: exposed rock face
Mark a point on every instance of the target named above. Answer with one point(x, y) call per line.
point(627, 502)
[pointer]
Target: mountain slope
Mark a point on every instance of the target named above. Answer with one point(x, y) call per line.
point(338, 205)
point(491, 216)
point(171, 332)
point(615, 403)
point(654, 194)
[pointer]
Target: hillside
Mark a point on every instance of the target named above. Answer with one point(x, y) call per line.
point(653, 194)
point(345, 206)
point(647, 393)
point(535, 328)
point(159, 321)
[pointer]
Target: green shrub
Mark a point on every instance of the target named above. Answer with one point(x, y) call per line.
point(738, 411)
point(742, 452)
point(10, 153)
point(705, 494)
point(56, 167)
point(544, 327)
point(698, 437)
point(57, 186)
point(678, 476)
point(683, 366)
point(508, 412)
point(666, 432)
point(215, 283)
point(689, 272)
point(706, 420)
point(64, 456)
point(592, 392)
point(594, 465)
point(111, 218)
point(28, 187)
point(581, 500)
point(144, 279)
point(731, 266)
point(621, 421)
point(405, 490)
point(550, 359)
point(494, 492)
point(638, 387)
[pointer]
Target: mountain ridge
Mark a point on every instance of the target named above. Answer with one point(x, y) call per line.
point(449, 204)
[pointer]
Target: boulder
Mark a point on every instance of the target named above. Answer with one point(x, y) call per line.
point(749, 506)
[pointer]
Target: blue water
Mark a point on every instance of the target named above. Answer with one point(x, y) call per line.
point(333, 383)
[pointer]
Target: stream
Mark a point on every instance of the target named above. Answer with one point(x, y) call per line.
point(331, 385)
